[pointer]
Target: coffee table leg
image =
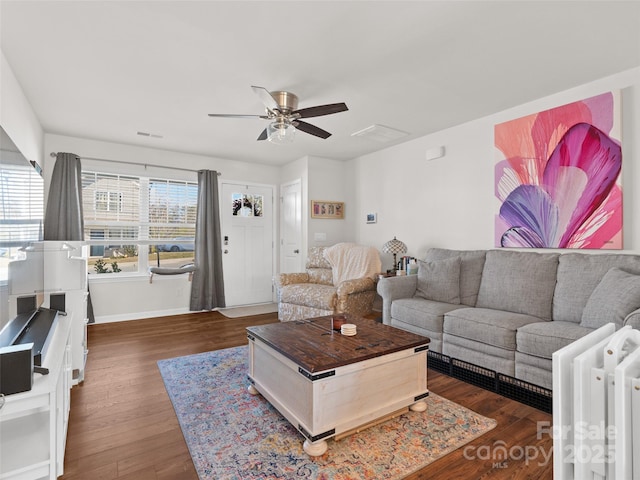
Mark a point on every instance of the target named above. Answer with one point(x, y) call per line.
point(420, 406)
point(315, 449)
point(252, 390)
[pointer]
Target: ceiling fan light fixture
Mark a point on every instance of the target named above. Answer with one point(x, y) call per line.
point(281, 132)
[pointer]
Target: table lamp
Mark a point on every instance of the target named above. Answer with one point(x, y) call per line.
point(394, 246)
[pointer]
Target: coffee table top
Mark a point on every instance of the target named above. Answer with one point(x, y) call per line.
point(313, 345)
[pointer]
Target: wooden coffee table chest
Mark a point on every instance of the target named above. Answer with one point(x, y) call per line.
point(326, 384)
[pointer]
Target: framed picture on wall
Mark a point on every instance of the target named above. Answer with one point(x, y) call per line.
point(324, 209)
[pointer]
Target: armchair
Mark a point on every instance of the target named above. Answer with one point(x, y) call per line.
point(337, 279)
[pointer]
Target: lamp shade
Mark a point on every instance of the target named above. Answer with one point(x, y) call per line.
point(394, 246)
point(281, 132)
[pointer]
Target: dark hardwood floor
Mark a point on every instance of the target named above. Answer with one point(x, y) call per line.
point(122, 424)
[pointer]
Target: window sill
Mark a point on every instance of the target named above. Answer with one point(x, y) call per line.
point(116, 277)
point(98, 278)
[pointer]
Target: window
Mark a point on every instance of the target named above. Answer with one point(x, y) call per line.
point(108, 201)
point(244, 205)
point(22, 212)
point(133, 222)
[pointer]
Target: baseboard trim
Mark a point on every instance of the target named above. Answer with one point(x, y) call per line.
point(125, 317)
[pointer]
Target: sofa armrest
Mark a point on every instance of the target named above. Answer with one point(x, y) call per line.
point(393, 288)
point(289, 278)
point(633, 319)
point(355, 285)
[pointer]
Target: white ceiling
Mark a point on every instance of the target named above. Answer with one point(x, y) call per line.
point(107, 69)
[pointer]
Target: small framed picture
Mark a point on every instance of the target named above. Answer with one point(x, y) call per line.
point(324, 209)
point(372, 217)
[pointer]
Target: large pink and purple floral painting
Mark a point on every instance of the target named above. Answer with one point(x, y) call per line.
point(558, 177)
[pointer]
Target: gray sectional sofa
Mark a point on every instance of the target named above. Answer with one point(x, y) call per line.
point(508, 311)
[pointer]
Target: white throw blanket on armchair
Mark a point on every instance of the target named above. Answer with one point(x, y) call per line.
point(350, 261)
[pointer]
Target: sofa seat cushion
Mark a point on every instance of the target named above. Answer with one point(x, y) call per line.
point(579, 275)
point(421, 313)
point(471, 266)
point(310, 295)
point(519, 282)
point(535, 370)
point(543, 338)
point(484, 325)
point(615, 297)
point(479, 354)
point(323, 276)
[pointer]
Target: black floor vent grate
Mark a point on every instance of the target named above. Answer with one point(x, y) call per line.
point(510, 387)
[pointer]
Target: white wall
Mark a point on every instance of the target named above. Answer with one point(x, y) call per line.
point(328, 181)
point(17, 116)
point(134, 297)
point(450, 202)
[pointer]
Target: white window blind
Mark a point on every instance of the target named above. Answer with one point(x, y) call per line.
point(22, 213)
point(111, 205)
point(172, 209)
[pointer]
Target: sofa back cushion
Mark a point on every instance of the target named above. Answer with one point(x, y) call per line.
point(579, 274)
point(318, 269)
point(315, 258)
point(471, 265)
point(439, 280)
point(519, 282)
point(615, 297)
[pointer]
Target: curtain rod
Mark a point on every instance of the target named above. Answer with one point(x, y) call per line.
point(54, 154)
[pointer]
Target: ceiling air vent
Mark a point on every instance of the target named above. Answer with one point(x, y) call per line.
point(380, 133)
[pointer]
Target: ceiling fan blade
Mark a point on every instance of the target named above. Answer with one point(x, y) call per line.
point(231, 115)
point(266, 98)
point(311, 129)
point(263, 135)
point(321, 110)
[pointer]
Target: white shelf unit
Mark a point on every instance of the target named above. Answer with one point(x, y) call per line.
point(76, 310)
point(65, 272)
point(33, 424)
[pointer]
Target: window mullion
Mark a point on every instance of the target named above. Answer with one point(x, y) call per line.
point(143, 233)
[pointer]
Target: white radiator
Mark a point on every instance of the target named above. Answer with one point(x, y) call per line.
point(596, 407)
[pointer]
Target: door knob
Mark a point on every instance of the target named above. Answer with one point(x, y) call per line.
point(296, 251)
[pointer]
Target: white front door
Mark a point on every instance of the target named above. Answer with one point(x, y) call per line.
point(247, 243)
point(291, 227)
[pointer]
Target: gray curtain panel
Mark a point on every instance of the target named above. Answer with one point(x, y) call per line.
point(207, 286)
point(63, 218)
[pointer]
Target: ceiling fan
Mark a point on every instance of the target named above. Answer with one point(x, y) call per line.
point(282, 110)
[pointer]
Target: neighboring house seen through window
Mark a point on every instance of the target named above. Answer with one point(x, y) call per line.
point(133, 222)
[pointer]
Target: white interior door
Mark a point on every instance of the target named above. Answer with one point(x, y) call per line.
point(247, 243)
point(291, 228)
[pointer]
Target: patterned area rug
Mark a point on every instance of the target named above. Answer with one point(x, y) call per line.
point(234, 435)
